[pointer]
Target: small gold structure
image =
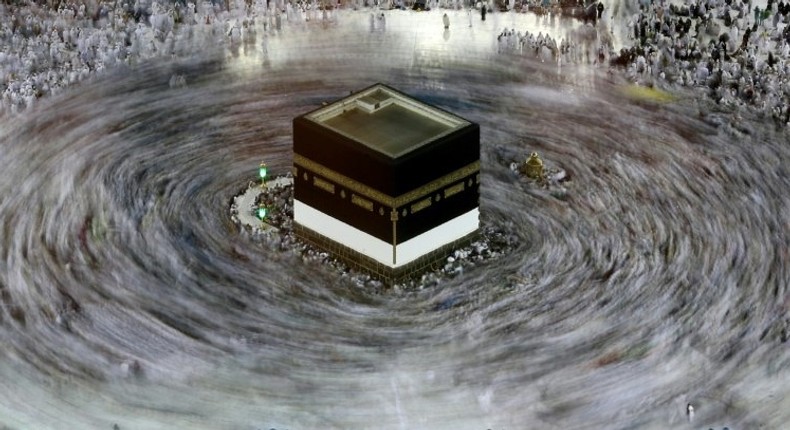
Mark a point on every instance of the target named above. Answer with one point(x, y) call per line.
point(533, 167)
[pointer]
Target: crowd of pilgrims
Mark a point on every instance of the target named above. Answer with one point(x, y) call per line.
point(578, 49)
point(737, 51)
point(47, 47)
point(734, 49)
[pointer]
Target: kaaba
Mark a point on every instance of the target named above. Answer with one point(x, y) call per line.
point(385, 182)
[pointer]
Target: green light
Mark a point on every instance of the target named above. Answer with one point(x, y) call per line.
point(262, 171)
point(261, 213)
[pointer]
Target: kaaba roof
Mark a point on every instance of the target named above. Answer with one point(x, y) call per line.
point(386, 120)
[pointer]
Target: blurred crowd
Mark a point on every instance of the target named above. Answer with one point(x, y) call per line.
point(47, 46)
point(737, 51)
point(734, 49)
